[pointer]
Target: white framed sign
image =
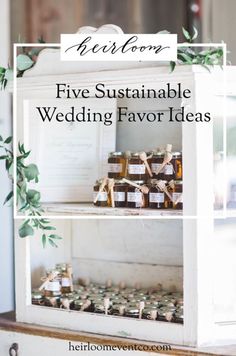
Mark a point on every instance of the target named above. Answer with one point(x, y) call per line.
point(71, 154)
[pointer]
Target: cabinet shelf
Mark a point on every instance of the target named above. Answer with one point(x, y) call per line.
point(86, 209)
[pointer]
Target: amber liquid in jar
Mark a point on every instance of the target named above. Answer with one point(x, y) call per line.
point(136, 168)
point(102, 197)
point(116, 165)
point(155, 163)
point(65, 285)
point(178, 165)
point(177, 195)
point(156, 197)
point(173, 169)
point(135, 198)
point(120, 194)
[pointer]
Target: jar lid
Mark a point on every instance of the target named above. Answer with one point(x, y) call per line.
point(158, 154)
point(140, 182)
point(176, 154)
point(116, 154)
point(119, 181)
point(135, 154)
point(132, 310)
point(37, 295)
point(176, 182)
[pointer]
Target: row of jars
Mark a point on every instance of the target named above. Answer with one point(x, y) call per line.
point(129, 302)
point(132, 166)
point(156, 195)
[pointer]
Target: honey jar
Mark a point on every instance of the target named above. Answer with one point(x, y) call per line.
point(102, 197)
point(178, 166)
point(173, 169)
point(131, 311)
point(156, 197)
point(120, 192)
point(155, 162)
point(37, 298)
point(53, 288)
point(135, 198)
point(136, 168)
point(116, 165)
point(177, 195)
point(165, 313)
point(149, 313)
point(65, 284)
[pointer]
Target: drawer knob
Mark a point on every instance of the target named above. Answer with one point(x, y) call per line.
point(13, 351)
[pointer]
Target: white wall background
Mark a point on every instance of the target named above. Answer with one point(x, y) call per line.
point(219, 24)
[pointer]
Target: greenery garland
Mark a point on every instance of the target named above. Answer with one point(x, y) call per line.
point(28, 200)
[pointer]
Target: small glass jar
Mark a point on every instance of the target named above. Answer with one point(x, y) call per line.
point(155, 162)
point(179, 317)
point(168, 203)
point(120, 192)
point(165, 314)
point(177, 195)
point(53, 288)
point(173, 169)
point(78, 304)
point(37, 298)
point(178, 165)
point(116, 165)
point(135, 198)
point(132, 312)
point(102, 199)
point(156, 197)
point(118, 309)
point(149, 313)
point(136, 168)
point(65, 284)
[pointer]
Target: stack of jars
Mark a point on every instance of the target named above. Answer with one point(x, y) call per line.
point(141, 180)
point(118, 300)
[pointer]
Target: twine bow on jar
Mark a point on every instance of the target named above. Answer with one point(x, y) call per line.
point(51, 276)
point(101, 188)
point(161, 185)
point(167, 158)
point(143, 189)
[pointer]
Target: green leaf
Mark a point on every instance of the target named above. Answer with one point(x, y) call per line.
point(172, 66)
point(3, 157)
point(49, 228)
point(33, 196)
point(9, 74)
point(44, 240)
point(8, 198)
point(26, 230)
point(2, 70)
point(23, 62)
point(31, 172)
point(186, 34)
point(57, 237)
point(1, 139)
point(52, 243)
point(8, 140)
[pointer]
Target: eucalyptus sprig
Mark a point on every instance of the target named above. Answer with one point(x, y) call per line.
point(192, 55)
point(28, 200)
point(24, 61)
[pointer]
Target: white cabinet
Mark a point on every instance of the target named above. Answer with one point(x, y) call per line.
point(171, 249)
